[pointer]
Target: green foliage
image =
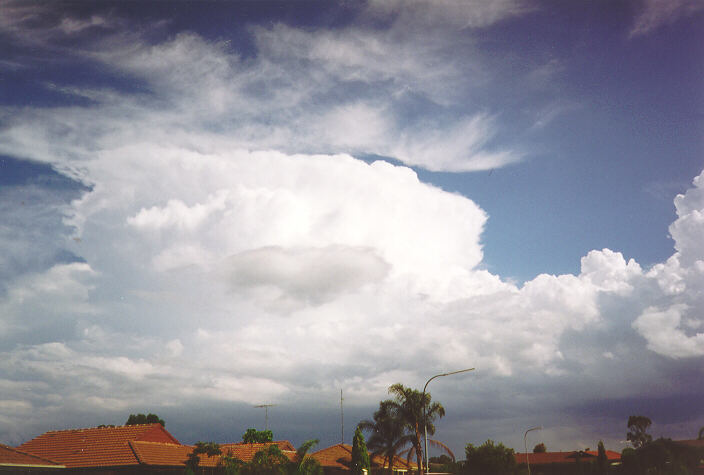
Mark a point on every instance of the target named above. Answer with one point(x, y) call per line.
point(408, 405)
point(540, 449)
point(253, 436)
point(630, 464)
point(444, 464)
point(666, 457)
point(305, 465)
point(270, 461)
point(232, 465)
point(637, 427)
point(389, 433)
point(360, 457)
point(489, 458)
point(661, 457)
point(602, 463)
point(150, 418)
point(209, 448)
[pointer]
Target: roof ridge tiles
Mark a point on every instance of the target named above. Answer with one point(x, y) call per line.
point(101, 427)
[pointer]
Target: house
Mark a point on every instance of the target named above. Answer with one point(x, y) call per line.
point(337, 459)
point(16, 461)
point(146, 448)
point(548, 463)
point(99, 450)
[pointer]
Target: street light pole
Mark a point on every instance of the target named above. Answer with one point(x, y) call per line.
point(425, 411)
point(525, 446)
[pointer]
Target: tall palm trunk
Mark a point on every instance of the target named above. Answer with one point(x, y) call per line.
point(419, 452)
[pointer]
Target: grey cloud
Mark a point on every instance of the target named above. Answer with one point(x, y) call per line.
point(306, 275)
point(33, 235)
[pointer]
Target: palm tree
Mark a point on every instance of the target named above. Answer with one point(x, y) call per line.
point(304, 464)
point(388, 433)
point(409, 405)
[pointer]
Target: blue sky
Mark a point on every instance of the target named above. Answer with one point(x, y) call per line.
point(207, 206)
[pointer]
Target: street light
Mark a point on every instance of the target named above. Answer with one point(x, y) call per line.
point(525, 446)
point(425, 412)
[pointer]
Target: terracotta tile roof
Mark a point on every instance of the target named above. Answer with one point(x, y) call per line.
point(336, 456)
point(172, 455)
point(340, 456)
point(14, 457)
point(245, 452)
point(95, 447)
point(611, 455)
point(168, 455)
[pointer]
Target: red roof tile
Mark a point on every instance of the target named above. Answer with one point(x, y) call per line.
point(611, 455)
point(14, 457)
point(160, 454)
point(171, 455)
point(340, 456)
point(245, 452)
point(95, 447)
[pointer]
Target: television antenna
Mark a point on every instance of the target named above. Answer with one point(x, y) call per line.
point(266, 413)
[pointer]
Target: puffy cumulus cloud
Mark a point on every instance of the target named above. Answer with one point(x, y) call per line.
point(655, 13)
point(673, 326)
point(689, 226)
point(664, 330)
point(608, 270)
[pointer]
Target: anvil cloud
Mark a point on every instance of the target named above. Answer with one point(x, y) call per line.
point(247, 226)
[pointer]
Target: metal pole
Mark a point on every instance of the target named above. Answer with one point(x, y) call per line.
point(266, 414)
point(425, 412)
point(525, 446)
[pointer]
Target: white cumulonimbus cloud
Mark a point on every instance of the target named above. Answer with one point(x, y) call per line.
point(233, 247)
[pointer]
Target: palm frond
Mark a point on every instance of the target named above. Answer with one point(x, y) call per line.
point(440, 445)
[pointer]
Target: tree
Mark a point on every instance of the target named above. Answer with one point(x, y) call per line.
point(360, 457)
point(637, 427)
point(269, 461)
point(540, 449)
point(150, 418)
point(409, 406)
point(305, 465)
point(253, 436)
point(209, 448)
point(602, 462)
point(443, 464)
point(389, 433)
point(489, 458)
point(701, 434)
point(629, 462)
